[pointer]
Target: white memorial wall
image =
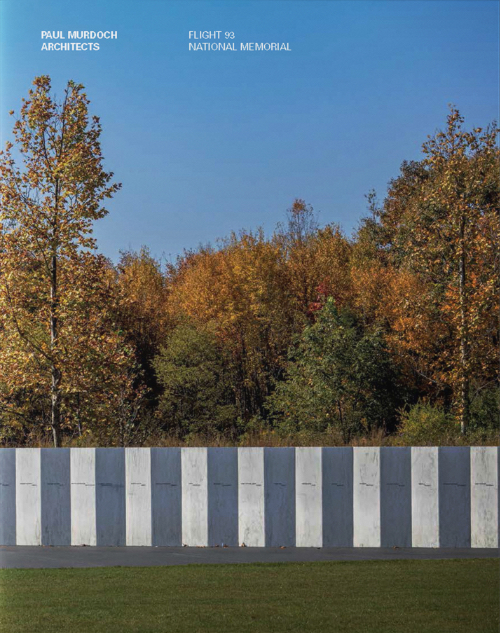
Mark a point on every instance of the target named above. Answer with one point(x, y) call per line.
point(424, 497)
point(258, 497)
point(83, 505)
point(138, 519)
point(309, 497)
point(485, 524)
point(366, 497)
point(28, 497)
point(194, 466)
point(251, 504)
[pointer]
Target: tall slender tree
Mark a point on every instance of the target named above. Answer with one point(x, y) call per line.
point(52, 288)
point(442, 216)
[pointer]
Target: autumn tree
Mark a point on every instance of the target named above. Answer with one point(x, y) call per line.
point(239, 290)
point(258, 292)
point(441, 221)
point(295, 239)
point(57, 336)
point(314, 259)
point(143, 316)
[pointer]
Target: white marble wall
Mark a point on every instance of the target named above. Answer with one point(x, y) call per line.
point(366, 494)
point(395, 496)
point(110, 496)
point(279, 490)
point(454, 496)
point(55, 496)
point(484, 496)
point(7, 496)
point(309, 497)
point(28, 497)
point(424, 497)
point(337, 470)
point(166, 488)
point(83, 496)
point(251, 517)
point(138, 496)
point(194, 496)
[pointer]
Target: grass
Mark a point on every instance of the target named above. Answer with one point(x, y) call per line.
point(365, 596)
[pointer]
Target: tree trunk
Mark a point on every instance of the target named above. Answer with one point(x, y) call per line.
point(56, 428)
point(78, 415)
point(464, 337)
point(55, 388)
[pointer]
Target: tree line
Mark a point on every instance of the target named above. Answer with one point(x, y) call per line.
point(308, 333)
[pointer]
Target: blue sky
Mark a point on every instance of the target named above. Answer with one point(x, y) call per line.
point(209, 142)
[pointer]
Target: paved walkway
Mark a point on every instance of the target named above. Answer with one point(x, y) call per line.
point(44, 557)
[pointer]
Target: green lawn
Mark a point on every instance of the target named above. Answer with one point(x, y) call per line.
point(367, 596)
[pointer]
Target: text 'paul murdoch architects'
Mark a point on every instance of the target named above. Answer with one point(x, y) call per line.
point(75, 35)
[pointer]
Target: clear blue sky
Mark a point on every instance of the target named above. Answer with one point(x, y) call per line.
point(209, 142)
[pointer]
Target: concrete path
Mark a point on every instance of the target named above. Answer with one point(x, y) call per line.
point(45, 557)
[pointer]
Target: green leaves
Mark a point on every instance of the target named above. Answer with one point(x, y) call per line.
point(340, 374)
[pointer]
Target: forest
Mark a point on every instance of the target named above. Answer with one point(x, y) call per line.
point(306, 336)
